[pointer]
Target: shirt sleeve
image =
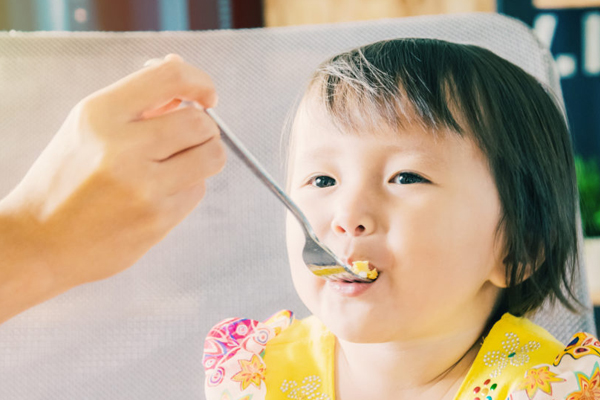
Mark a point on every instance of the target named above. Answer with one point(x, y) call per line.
point(574, 374)
point(233, 356)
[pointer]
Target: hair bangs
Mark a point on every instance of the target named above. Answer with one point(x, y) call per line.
point(373, 86)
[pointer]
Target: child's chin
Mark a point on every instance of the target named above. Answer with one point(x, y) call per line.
point(359, 330)
point(360, 335)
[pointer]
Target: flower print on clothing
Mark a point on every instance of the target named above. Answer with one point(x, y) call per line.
point(225, 340)
point(280, 321)
point(485, 391)
point(580, 345)
point(215, 377)
point(589, 386)
point(511, 354)
point(252, 372)
point(539, 379)
point(308, 390)
point(235, 369)
point(227, 396)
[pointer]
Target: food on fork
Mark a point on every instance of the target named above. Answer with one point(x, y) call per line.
point(361, 268)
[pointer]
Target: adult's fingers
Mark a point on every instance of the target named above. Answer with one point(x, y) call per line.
point(168, 134)
point(158, 85)
point(182, 203)
point(190, 167)
point(161, 110)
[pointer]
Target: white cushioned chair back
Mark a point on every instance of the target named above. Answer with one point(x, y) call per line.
point(140, 334)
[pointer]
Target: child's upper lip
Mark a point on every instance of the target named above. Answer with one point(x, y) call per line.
point(362, 251)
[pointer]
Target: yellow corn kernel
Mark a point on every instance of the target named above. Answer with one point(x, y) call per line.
point(361, 268)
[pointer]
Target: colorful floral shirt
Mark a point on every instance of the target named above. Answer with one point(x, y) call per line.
point(284, 358)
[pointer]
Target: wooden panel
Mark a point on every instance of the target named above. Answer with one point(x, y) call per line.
point(299, 12)
point(115, 16)
point(247, 13)
point(203, 14)
point(566, 3)
point(4, 20)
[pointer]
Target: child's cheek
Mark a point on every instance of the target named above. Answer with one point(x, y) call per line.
point(307, 284)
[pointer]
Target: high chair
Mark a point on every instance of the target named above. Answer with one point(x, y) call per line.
point(140, 334)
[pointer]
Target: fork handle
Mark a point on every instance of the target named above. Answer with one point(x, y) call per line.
point(251, 162)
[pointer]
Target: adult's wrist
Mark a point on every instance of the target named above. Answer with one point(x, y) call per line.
point(26, 274)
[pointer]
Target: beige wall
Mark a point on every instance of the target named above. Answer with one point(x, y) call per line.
point(565, 3)
point(299, 12)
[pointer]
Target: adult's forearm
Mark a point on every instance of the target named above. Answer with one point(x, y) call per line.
point(25, 278)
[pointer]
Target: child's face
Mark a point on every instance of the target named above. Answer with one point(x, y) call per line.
point(423, 211)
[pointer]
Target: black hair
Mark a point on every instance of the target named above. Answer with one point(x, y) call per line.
point(516, 122)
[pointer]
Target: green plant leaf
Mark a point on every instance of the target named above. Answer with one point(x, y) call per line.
point(588, 184)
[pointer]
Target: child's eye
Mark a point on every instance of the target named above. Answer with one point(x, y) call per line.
point(322, 181)
point(406, 178)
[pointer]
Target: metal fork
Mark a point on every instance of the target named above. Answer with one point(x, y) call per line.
point(318, 258)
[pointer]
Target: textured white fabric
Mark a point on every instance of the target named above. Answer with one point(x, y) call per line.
point(139, 335)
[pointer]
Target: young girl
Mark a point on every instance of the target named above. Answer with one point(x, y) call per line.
point(451, 171)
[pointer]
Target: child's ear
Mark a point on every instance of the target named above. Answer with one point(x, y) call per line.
point(498, 275)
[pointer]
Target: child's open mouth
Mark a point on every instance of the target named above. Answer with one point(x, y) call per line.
point(353, 289)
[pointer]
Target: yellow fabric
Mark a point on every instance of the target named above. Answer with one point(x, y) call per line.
point(513, 346)
point(300, 360)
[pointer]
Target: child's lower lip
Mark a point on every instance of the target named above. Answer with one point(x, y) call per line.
point(349, 289)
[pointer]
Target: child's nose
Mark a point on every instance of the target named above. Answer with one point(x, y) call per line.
point(342, 229)
point(356, 222)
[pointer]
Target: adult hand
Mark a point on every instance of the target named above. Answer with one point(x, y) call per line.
point(125, 168)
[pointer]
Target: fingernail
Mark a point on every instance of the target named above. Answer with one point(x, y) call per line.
point(152, 61)
point(187, 103)
point(173, 57)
